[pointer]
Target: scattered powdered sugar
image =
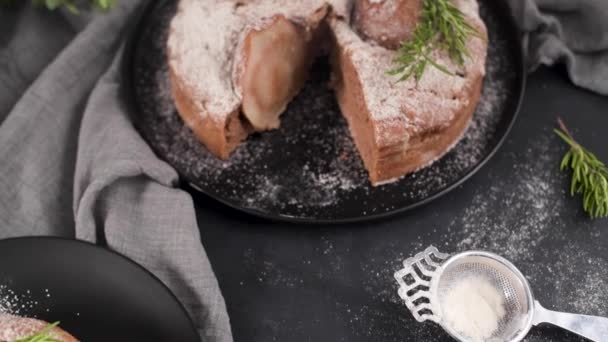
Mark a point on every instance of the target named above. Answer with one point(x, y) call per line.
point(580, 282)
point(15, 303)
point(482, 127)
point(526, 217)
point(522, 218)
point(474, 145)
point(527, 214)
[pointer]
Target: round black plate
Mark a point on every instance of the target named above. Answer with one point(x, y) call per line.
point(97, 294)
point(309, 169)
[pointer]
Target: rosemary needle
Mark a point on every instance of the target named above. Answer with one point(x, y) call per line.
point(589, 175)
point(442, 26)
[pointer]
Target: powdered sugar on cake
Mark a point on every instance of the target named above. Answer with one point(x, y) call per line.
point(200, 49)
point(206, 34)
point(430, 102)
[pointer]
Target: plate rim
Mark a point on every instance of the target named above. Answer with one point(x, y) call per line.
point(127, 62)
point(112, 253)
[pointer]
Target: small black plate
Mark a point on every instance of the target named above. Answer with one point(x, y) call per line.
point(309, 170)
point(98, 295)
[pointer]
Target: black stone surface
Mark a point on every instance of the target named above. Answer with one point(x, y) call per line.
point(286, 282)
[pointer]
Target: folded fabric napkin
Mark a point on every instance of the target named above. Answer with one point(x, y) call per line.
point(72, 164)
point(574, 32)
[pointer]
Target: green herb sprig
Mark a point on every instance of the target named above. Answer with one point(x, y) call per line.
point(68, 4)
point(42, 336)
point(442, 26)
point(589, 175)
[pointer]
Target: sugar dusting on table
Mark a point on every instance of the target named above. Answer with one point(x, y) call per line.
point(16, 303)
point(519, 218)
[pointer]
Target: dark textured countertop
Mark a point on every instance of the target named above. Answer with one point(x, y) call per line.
point(285, 282)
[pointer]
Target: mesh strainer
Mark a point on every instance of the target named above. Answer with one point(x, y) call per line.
point(426, 278)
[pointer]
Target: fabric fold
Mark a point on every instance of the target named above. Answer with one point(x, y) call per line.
point(572, 32)
point(73, 164)
point(126, 198)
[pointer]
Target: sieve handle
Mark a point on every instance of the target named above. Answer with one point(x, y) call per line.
point(592, 327)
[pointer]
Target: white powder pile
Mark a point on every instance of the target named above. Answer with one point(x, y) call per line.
point(473, 307)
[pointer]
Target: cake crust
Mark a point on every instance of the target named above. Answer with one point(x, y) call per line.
point(398, 127)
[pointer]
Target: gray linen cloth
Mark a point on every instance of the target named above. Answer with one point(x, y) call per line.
point(574, 32)
point(72, 165)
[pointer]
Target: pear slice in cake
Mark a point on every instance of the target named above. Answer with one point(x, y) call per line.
point(234, 66)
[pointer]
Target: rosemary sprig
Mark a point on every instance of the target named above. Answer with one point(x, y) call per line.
point(442, 26)
point(589, 175)
point(70, 5)
point(42, 336)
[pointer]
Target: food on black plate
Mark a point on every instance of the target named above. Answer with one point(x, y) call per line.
point(23, 329)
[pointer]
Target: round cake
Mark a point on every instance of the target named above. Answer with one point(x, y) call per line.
point(13, 328)
point(235, 65)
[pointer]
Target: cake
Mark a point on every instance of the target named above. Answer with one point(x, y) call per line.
point(228, 79)
point(14, 328)
point(235, 65)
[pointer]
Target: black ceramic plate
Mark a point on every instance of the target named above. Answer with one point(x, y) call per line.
point(309, 170)
point(97, 294)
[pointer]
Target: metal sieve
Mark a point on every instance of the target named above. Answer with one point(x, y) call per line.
point(426, 278)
